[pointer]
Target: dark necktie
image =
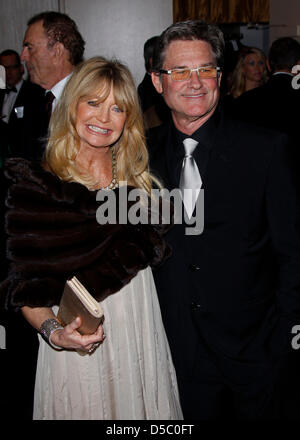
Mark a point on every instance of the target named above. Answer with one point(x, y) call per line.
point(190, 179)
point(49, 98)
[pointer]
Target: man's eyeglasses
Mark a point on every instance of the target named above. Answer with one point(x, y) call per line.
point(185, 74)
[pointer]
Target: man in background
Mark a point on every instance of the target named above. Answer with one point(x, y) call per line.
point(52, 47)
point(155, 111)
point(275, 104)
point(20, 108)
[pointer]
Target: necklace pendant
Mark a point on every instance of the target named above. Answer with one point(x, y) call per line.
point(114, 181)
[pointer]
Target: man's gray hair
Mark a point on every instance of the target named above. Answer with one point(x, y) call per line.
point(190, 30)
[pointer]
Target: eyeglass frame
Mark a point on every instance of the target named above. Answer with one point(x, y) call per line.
point(195, 69)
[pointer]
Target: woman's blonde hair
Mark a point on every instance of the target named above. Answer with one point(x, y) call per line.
point(96, 76)
point(238, 85)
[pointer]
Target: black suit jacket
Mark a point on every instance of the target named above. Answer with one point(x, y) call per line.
point(235, 288)
point(24, 134)
point(274, 105)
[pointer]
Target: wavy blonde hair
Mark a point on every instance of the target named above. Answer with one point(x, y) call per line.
point(238, 85)
point(96, 76)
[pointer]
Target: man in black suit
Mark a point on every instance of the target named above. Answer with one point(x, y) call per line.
point(20, 106)
point(155, 111)
point(52, 47)
point(276, 103)
point(230, 296)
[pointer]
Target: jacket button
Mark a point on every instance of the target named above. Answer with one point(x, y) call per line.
point(194, 267)
point(195, 306)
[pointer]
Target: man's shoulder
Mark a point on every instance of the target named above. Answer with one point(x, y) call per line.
point(281, 83)
point(254, 96)
point(249, 133)
point(229, 130)
point(30, 89)
point(157, 135)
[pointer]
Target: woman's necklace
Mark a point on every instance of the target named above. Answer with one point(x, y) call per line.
point(114, 182)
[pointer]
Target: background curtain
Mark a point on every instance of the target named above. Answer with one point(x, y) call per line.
point(222, 11)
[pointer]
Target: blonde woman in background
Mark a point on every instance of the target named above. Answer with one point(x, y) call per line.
point(250, 71)
point(96, 140)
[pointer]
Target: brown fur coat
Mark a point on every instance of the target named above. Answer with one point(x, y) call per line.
point(53, 234)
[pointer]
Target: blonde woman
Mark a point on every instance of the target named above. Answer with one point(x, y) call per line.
point(96, 140)
point(250, 71)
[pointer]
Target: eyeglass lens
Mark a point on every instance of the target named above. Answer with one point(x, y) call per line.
point(184, 74)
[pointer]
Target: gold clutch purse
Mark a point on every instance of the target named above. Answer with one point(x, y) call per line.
point(77, 301)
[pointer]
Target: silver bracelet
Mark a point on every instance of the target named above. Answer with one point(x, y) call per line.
point(47, 328)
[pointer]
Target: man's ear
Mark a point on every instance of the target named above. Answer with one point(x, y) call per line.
point(219, 79)
point(58, 51)
point(157, 82)
point(268, 65)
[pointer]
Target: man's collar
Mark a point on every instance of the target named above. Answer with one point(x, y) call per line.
point(282, 73)
point(58, 87)
point(19, 85)
point(16, 87)
point(204, 134)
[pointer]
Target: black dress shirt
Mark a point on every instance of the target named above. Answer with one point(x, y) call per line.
point(204, 136)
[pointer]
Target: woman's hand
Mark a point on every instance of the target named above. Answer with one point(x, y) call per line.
point(70, 338)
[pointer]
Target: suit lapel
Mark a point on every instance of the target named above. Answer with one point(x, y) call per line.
point(160, 160)
point(171, 165)
point(220, 153)
point(1, 100)
point(19, 100)
point(18, 103)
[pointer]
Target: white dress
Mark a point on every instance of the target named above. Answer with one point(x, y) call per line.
point(129, 377)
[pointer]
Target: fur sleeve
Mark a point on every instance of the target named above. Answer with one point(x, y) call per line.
point(53, 235)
